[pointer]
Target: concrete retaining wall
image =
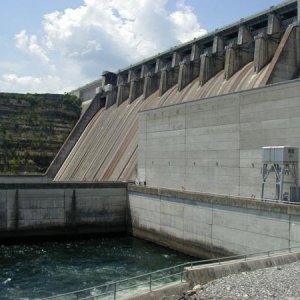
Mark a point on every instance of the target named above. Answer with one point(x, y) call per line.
point(205, 274)
point(214, 145)
point(23, 179)
point(60, 208)
point(209, 225)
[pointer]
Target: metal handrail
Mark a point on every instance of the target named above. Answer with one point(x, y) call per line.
point(149, 280)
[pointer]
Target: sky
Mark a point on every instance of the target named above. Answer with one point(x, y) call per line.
point(55, 46)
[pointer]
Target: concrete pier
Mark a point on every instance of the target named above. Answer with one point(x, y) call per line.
point(111, 97)
point(159, 65)
point(274, 25)
point(265, 47)
point(212, 63)
point(239, 55)
point(136, 89)
point(163, 82)
point(185, 74)
point(123, 93)
point(150, 85)
point(195, 60)
point(266, 43)
point(288, 58)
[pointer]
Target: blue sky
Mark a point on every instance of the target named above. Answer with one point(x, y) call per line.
point(58, 45)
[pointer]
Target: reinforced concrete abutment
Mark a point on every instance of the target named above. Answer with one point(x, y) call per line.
point(237, 56)
point(211, 64)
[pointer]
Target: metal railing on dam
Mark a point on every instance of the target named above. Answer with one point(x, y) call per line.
point(152, 281)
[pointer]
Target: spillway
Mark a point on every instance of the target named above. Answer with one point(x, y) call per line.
point(106, 147)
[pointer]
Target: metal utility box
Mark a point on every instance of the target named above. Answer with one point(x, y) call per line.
point(280, 155)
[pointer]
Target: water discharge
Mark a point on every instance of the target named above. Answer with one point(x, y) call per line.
point(31, 271)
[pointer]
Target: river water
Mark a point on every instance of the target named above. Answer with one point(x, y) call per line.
point(32, 271)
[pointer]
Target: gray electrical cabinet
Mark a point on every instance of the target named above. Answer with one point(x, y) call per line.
point(283, 161)
point(280, 155)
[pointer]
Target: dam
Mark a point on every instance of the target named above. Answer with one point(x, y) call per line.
point(170, 149)
point(191, 119)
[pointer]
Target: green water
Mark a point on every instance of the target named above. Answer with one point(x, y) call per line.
point(31, 271)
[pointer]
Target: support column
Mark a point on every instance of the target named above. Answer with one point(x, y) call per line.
point(266, 44)
point(136, 89)
point(150, 85)
point(298, 9)
point(185, 74)
point(265, 48)
point(111, 96)
point(195, 61)
point(237, 56)
point(163, 83)
point(131, 75)
point(274, 25)
point(159, 65)
point(218, 46)
point(123, 93)
point(175, 60)
point(205, 69)
point(122, 78)
point(144, 71)
point(174, 72)
point(211, 64)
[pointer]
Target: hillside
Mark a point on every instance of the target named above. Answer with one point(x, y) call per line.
point(32, 129)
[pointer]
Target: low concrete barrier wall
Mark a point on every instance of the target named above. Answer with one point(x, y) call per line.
point(205, 274)
point(62, 208)
point(23, 179)
point(211, 225)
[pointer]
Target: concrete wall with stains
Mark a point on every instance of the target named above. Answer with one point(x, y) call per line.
point(215, 145)
point(55, 209)
point(211, 225)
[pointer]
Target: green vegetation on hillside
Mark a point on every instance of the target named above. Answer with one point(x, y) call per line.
point(33, 127)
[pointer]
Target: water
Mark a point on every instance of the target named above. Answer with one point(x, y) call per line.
point(30, 271)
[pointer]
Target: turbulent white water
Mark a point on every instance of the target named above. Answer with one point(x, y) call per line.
point(31, 271)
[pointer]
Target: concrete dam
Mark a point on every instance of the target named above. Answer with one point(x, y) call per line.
point(188, 126)
point(252, 53)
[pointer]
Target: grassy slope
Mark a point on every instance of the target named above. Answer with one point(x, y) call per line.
point(32, 129)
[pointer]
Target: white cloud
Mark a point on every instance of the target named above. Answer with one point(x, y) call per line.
point(21, 39)
point(30, 45)
point(103, 35)
point(31, 84)
point(186, 24)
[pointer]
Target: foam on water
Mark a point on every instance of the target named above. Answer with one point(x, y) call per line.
point(31, 271)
